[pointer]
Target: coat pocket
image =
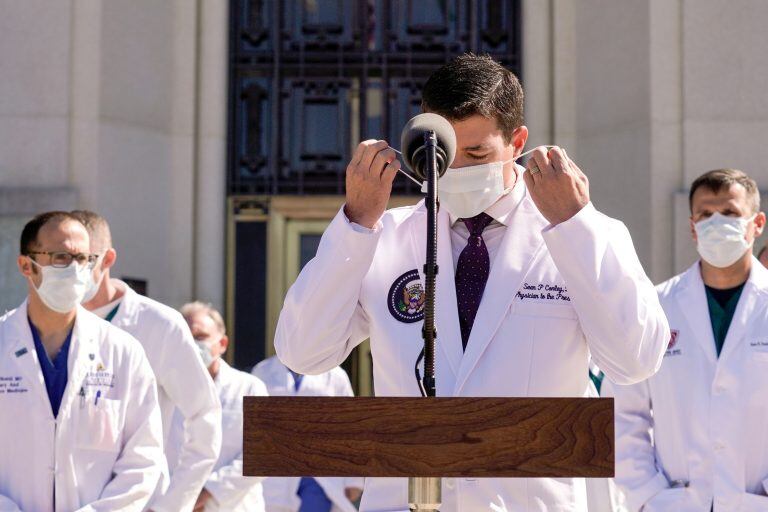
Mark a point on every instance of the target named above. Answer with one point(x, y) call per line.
point(668, 500)
point(98, 426)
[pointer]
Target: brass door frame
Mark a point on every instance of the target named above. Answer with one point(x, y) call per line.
point(285, 217)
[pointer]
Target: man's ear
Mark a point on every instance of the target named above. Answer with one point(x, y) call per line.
point(25, 265)
point(224, 341)
point(693, 229)
point(759, 223)
point(109, 259)
point(519, 138)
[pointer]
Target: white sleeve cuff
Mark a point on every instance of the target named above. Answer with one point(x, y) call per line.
point(584, 218)
point(357, 227)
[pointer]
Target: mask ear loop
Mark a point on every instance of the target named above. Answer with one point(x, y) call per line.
point(401, 171)
point(521, 155)
point(420, 185)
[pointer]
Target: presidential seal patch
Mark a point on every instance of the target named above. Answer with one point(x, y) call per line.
point(406, 298)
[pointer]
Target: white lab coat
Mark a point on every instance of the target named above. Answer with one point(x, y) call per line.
point(602, 493)
point(183, 382)
point(708, 415)
point(280, 492)
point(231, 490)
point(100, 455)
point(555, 295)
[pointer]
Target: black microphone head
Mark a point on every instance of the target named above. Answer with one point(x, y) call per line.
point(412, 139)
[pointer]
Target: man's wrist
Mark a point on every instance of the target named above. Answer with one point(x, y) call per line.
point(361, 220)
point(358, 226)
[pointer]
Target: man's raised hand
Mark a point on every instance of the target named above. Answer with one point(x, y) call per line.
point(556, 184)
point(369, 181)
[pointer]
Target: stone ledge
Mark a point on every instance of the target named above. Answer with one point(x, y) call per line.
point(33, 200)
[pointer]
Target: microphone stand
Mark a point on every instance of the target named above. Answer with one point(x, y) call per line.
point(424, 493)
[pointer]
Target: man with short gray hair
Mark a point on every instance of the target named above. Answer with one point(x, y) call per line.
point(226, 488)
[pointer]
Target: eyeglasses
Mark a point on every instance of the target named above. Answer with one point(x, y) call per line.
point(63, 259)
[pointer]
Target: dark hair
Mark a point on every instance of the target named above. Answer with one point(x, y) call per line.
point(475, 84)
point(33, 227)
point(720, 179)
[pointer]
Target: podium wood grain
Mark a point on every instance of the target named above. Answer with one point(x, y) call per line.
point(441, 437)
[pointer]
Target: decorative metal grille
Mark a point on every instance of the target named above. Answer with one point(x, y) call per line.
point(309, 79)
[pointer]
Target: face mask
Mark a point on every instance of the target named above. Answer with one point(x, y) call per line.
point(468, 191)
point(204, 347)
point(721, 239)
point(92, 287)
point(62, 289)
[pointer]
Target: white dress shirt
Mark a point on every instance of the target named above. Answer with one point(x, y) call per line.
point(494, 232)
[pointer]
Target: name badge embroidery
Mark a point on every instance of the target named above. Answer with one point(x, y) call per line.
point(759, 345)
point(12, 384)
point(406, 298)
point(673, 338)
point(543, 291)
point(99, 377)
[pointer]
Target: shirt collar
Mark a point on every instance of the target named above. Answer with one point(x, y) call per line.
point(502, 209)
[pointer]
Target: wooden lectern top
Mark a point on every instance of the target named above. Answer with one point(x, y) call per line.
point(428, 437)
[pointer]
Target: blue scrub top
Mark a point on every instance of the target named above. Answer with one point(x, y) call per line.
point(54, 372)
point(313, 498)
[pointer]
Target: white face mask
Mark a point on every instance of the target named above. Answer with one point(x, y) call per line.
point(468, 191)
point(204, 348)
point(721, 240)
point(93, 287)
point(62, 289)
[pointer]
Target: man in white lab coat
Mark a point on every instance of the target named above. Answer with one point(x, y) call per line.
point(182, 380)
point(533, 281)
point(285, 494)
point(226, 488)
point(79, 418)
point(693, 437)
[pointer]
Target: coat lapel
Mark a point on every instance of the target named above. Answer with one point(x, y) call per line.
point(21, 347)
point(692, 301)
point(749, 301)
point(81, 353)
point(126, 313)
point(446, 315)
point(520, 247)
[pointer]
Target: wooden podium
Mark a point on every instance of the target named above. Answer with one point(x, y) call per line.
point(428, 437)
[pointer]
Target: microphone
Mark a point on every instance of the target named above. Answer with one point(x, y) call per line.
point(414, 149)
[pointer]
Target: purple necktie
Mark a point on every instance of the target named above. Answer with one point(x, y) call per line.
point(472, 273)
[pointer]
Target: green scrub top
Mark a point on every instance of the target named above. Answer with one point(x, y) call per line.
point(722, 305)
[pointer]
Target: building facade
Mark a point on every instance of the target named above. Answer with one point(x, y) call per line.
point(213, 134)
